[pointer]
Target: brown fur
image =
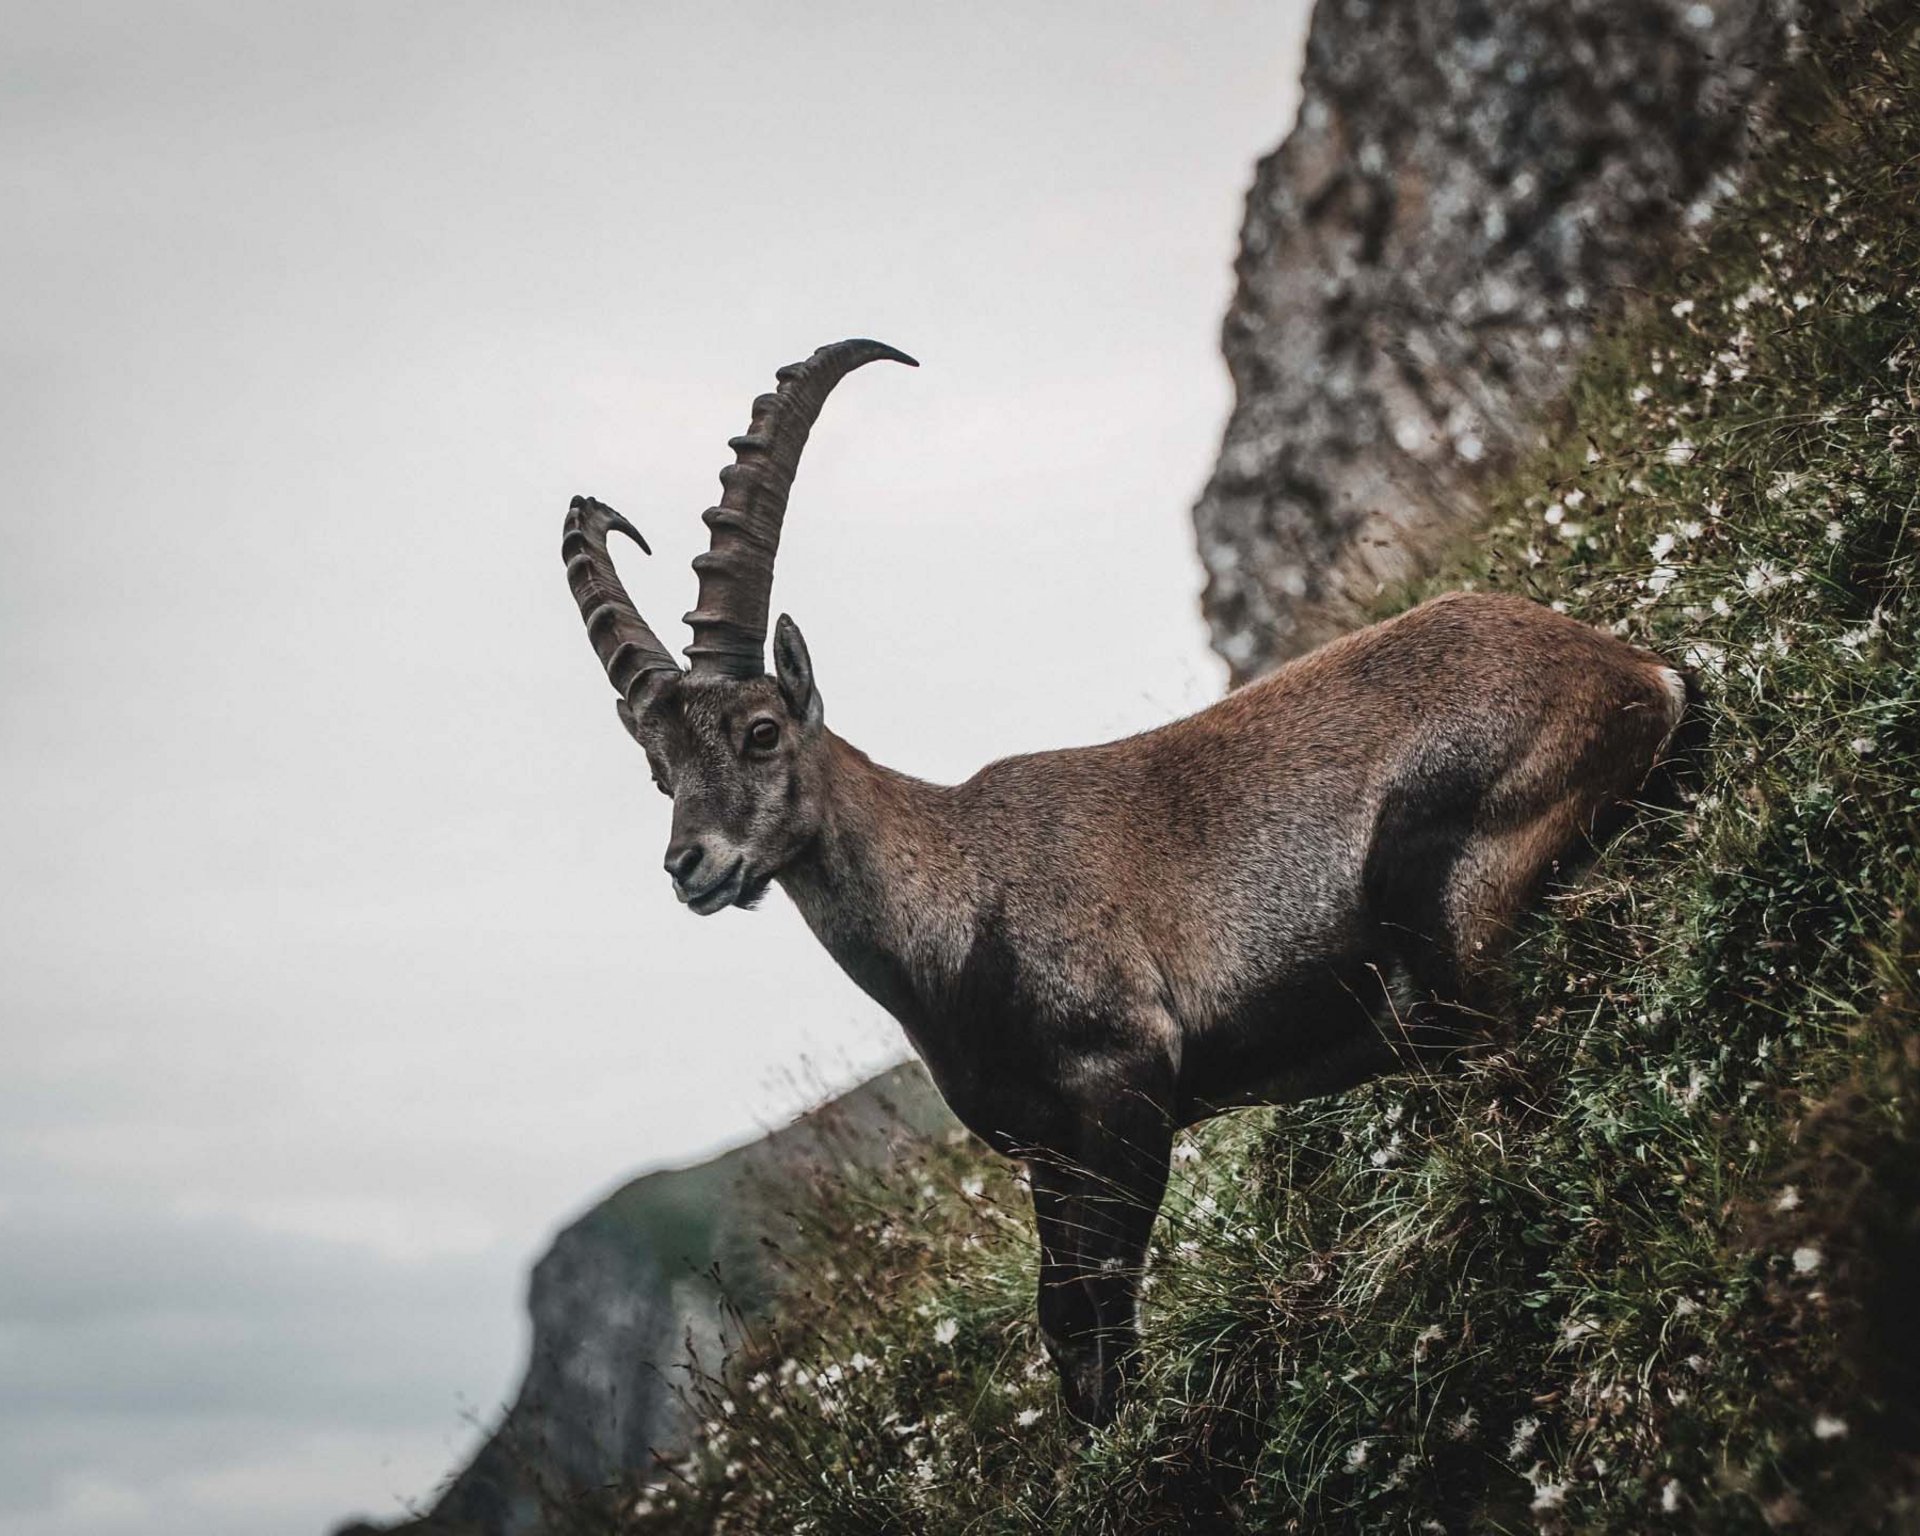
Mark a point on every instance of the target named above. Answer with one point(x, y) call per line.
point(1273, 898)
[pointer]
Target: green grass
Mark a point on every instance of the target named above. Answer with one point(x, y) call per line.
point(1646, 1263)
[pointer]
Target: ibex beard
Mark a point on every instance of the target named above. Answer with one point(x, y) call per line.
point(1292, 890)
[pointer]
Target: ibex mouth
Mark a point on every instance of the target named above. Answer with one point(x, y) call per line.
point(722, 893)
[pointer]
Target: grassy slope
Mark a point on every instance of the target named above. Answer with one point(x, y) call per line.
point(1644, 1264)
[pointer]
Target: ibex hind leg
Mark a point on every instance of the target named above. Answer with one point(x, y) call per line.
point(1433, 1002)
point(1557, 810)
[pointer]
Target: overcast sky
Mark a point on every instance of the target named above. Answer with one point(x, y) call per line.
point(336, 963)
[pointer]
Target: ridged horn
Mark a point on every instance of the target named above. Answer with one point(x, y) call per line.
point(729, 622)
point(627, 648)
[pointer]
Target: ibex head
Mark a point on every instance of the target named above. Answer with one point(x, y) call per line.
point(741, 753)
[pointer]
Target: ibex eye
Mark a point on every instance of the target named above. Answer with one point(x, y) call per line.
point(763, 735)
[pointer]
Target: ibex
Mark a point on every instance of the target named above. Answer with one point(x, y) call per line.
point(1270, 899)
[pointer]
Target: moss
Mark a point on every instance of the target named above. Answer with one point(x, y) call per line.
point(1644, 1263)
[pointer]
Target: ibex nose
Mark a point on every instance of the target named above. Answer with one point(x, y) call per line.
point(682, 860)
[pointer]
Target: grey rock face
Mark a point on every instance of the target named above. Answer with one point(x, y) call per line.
point(1422, 262)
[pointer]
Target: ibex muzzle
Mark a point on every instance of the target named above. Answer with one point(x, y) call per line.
point(1276, 897)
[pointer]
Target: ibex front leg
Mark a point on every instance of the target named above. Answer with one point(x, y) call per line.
point(1096, 1190)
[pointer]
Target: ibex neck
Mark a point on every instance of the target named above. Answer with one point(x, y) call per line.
point(887, 875)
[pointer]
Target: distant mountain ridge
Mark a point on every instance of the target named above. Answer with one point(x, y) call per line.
point(631, 1290)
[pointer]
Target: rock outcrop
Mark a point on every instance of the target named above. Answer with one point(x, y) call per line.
point(1422, 262)
point(630, 1292)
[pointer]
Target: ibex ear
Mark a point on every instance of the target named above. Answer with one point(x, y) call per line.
point(650, 686)
point(793, 669)
point(626, 719)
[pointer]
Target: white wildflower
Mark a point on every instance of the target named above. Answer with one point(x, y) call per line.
point(1548, 1495)
point(1682, 309)
point(1690, 529)
point(1670, 1497)
point(1523, 1432)
point(1762, 576)
point(832, 1376)
point(1187, 1245)
point(1469, 447)
point(1357, 1455)
point(1577, 1328)
point(1186, 1152)
point(1803, 301)
point(1574, 497)
point(1806, 1259)
point(860, 1363)
point(1424, 1341)
point(1680, 451)
point(974, 1188)
point(1570, 532)
point(1853, 639)
point(1828, 1426)
point(1788, 1199)
point(1026, 1418)
point(1639, 394)
point(1554, 513)
point(1836, 531)
point(1687, 1094)
point(1862, 746)
point(1661, 547)
point(945, 1331)
point(1662, 577)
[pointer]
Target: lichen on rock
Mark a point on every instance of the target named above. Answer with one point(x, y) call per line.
point(1421, 265)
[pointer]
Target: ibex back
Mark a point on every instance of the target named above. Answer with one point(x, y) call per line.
point(1273, 898)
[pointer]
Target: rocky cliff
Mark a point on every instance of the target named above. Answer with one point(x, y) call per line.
point(1468, 187)
point(632, 1291)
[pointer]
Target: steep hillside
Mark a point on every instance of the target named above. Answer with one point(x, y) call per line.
point(1645, 1264)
